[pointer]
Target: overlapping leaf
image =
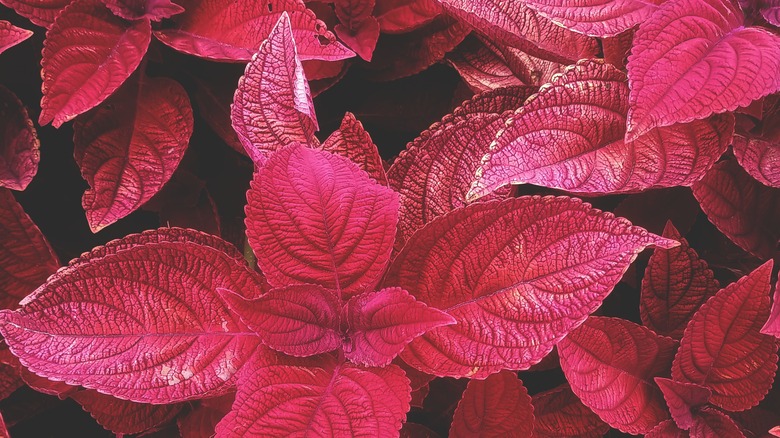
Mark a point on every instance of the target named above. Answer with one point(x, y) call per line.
point(11, 35)
point(558, 413)
point(610, 364)
point(772, 325)
point(202, 420)
point(760, 158)
point(125, 417)
point(19, 145)
point(723, 348)
point(683, 400)
point(352, 141)
point(87, 55)
point(711, 423)
point(693, 58)
point(398, 16)
point(517, 276)
point(154, 10)
point(599, 18)
point(480, 67)
point(40, 12)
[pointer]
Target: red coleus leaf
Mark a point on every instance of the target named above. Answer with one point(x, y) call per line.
point(202, 420)
point(161, 335)
point(19, 147)
point(772, 325)
point(399, 16)
point(480, 67)
point(125, 417)
point(558, 413)
point(770, 10)
point(358, 28)
point(676, 283)
point(610, 364)
point(40, 12)
point(549, 142)
point(495, 407)
point(683, 400)
point(711, 423)
point(515, 24)
point(490, 266)
point(128, 147)
point(3, 428)
point(616, 48)
point(9, 376)
point(309, 211)
point(723, 349)
point(667, 429)
point(11, 35)
point(26, 259)
point(775, 431)
point(87, 55)
point(327, 398)
point(741, 208)
point(760, 158)
point(693, 58)
point(154, 10)
point(226, 30)
point(352, 141)
point(272, 106)
point(531, 70)
point(598, 18)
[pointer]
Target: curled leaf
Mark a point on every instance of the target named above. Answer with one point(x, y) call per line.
point(19, 147)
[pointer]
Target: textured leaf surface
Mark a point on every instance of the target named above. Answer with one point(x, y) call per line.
point(516, 275)
point(226, 30)
point(760, 158)
point(558, 413)
point(711, 423)
point(352, 141)
point(723, 348)
point(494, 407)
point(272, 106)
point(87, 55)
point(40, 12)
point(154, 10)
point(26, 259)
point(693, 58)
point(11, 35)
point(667, 429)
point(143, 323)
point(125, 417)
point(128, 148)
point(481, 68)
point(610, 364)
point(599, 18)
point(398, 16)
point(19, 145)
point(676, 283)
point(741, 208)
point(683, 399)
point(570, 136)
point(314, 217)
point(772, 325)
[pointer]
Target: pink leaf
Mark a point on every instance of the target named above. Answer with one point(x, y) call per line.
point(741, 208)
point(330, 399)
point(125, 417)
point(87, 55)
point(225, 30)
point(490, 266)
point(296, 320)
point(711, 423)
point(400, 16)
point(610, 364)
point(382, 323)
point(154, 10)
point(760, 158)
point(309, 211)
point(40, 12)
point(142, 323)
point(723, 349)
point(693, 58)
point(11, 35)
point(676, 283)
point(128, 147)
point(515, 24)
point(480, 67)
point(272, 106)
point(683, 400)
point(558, 413)
point(352, 141)
point(498, 406)
point(775, 431)
point(772, 325)
point(599, 18)
point(570, 136)
point(26, 259)
point(20, 147)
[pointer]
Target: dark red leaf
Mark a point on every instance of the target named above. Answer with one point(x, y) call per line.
point(361, 39)
point(19, 145)
point(683, 400)
point(400, 16)
point(772, 325)
point(201, 421)
point(617, 48)
point(558, 413)
point(653, 209)
point(154, 10)
point(352, 141)
point(667, 429)
point(711, 423)
point(9, 376)
point(760, 158)
point(11, 35)
point(40, 12)
point(125, 417)
point(770, 10)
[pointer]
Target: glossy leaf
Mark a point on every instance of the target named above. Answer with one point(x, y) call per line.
point(87, 55)
point(154, 10)
point(40, 12)
point(352, 141)
point(760, 158)
point(314, 217)
point(19, 144)
point(599, 18)
point(558, 413)
point(610, 364)
point(693, 58)
point(723, 349)
point(11, 35)
point(683, 400)
point(129, 147)
point(125, 417)
point(772, 325)
point(516, 277)
point(272, 106)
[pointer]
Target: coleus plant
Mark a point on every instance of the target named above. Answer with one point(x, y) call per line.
point(364, 289)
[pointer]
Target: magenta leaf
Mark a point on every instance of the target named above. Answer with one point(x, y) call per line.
point(599, 18)
point(399, 16)
point(683, 400)
point(558, 413)
point(272, 106)
point(314, 217)
point(11, 35)
point(328, 399)
point(154, 10)
point(143, 322)
point(489, 265)
point(711, 423)
point(770, 10)
point(87, 55)
point(381, 323)
point(549, 142)
point(352, 141)
point(723, 348)
point(129, 146)
point(125, 417)
point(26, 259)
point(498, 406)
point(676, 283)
point(760, 158)
point(225, 30)
point(610, 364)
point(40, 12)
point(20, 148)
point(693, 58)
point(772, 325)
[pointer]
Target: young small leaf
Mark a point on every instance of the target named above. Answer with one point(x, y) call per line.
point(11, 35)
point(352, 141)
